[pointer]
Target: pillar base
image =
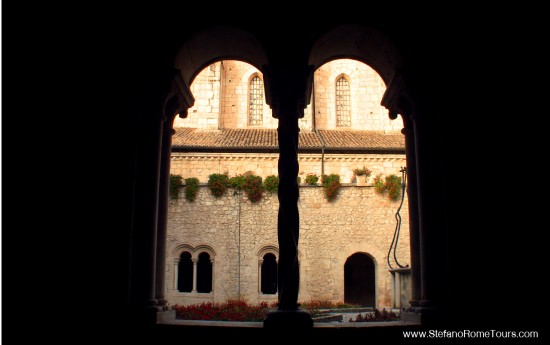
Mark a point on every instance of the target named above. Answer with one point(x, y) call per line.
point(162, 304)
point(288, 319)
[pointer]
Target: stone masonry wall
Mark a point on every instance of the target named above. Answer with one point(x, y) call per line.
point(359, 220)
point(205, 112)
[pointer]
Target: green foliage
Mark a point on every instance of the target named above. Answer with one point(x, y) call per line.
point(271, 183)
point(191, 188)
point(299, 179)
point(391, 186)
point(379, 186)
point(253, 187)
point(218, 184)
point(331, 185)
point(174, 186)
point(312, 179)
point(237, 182)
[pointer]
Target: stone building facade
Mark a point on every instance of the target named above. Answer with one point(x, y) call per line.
point(233, 240)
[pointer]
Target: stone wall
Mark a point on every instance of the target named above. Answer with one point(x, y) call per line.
point(201, 165)
point(359, 220)
point(206, 88)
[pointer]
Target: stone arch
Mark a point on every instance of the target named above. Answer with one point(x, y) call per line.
point(361, 43)
point(377, 256)
point(204, 248)
point(215, 44)
point(180, 248)
point(267, 271)
point(269, 248)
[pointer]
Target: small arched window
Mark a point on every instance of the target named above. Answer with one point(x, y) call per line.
point(185, 273)
point(256, 102)
point(204, 273)
point(343, 103)
point(269, 274)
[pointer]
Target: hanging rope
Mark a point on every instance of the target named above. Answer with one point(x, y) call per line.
point(395, 239)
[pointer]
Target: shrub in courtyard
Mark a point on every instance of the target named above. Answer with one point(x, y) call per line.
point(377, 315)
point(218, 184)
point(253, 188)
point(391, 186)
point(232, 310)
point(312, 179)
point(271, 183)
point(191, 188)
point(331, 185)
point(174, 186)
point(237, 182)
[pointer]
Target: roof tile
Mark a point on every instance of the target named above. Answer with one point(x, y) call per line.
point(267, 138)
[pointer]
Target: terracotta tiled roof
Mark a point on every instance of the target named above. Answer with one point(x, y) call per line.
point(362, 139)
point(192, 138)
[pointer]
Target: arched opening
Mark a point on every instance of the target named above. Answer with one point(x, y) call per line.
point(269, 274)
point(185, 273)
point(204, 273)
point(359, 280)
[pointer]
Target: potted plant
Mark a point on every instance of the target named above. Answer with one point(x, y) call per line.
point(361, 175)
point(312, 179)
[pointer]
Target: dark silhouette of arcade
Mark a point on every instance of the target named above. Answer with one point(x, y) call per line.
point(425, 79)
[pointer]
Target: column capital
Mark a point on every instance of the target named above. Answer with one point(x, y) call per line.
point(195, 260)
point(179, 100)
point(397, 98)
point(288, 88)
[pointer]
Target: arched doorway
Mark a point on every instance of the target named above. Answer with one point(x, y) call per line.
point(359, 279)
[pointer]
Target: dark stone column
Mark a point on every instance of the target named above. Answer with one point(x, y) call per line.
point(145, 207)
point(431, 214)
point(163, 214)
point(412, 193)
point(160, 101)
point(287, 92)
point(288, 220)
point(177, 102)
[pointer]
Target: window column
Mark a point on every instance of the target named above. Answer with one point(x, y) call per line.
point(195, 261)
point(176, 269)
point(260, 262)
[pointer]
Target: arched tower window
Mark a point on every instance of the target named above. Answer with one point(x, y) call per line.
point(269, 274)
point(185, 273)
point(343, 103)
point(204, 273)
point(256, 102)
